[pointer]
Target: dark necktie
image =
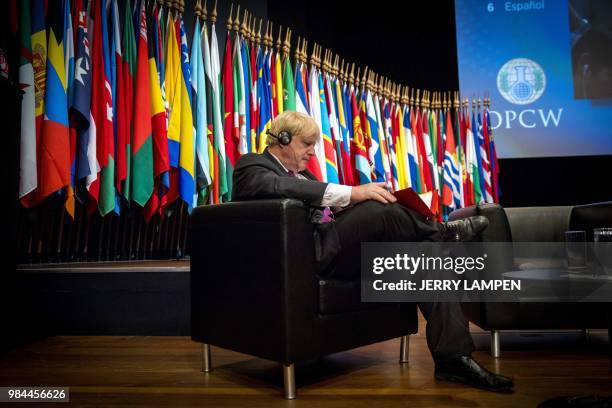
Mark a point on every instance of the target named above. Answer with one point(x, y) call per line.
point(328, 215)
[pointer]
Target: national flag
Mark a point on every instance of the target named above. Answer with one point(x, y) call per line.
point(27, 161)
point(187, 131)
point(289, 90)
point(246, 75)
point(452, 179)
point(126, 72)
point(411, 150)
point(278, 84)
point(264, 97)
point(198, 92)
point(173, 91)
point(472, 162)
point(215, 162)
point(219, 140)
point(142, 140)
point(101, 128)
point(54, 159)
point(345, 143)
point(239, 130)
point(254, 115)
point(335, 136)
point(359, 149)
point(232, 136)
point(161, 161)
point(391, 151)
point(39, 63)
point(331, 163)
point(483, 139)
point(493, 158)
point(316, 114)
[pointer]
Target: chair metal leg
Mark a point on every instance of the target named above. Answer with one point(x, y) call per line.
point(404, 347)
point(495, 344)
point(206, 362)
point(586, 336)
point(289, 380)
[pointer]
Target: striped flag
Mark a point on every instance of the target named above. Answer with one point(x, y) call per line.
point(333, 124)
point(246, 75)
point(289, 91)
point(232, 137)
point(187, 131)
point(219, 140)
point(358, 144)
point(345, 144)
point(142, 140)
point(483, 140)
point(198, 89)
point(451, 189)
point(54, 159)
point(277, 90)
point(239, 131)
point(125, 105)
point(161, 162)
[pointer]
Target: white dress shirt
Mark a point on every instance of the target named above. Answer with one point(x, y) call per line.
point(335, 195)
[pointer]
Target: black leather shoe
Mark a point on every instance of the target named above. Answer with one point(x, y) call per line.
point(465, 229)
point(466, 370)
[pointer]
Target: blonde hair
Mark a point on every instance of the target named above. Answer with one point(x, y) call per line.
point(296, 123)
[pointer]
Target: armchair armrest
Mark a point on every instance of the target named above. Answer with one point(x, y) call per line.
point(253, 282)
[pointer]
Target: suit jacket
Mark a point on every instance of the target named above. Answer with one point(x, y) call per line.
point(261, 176)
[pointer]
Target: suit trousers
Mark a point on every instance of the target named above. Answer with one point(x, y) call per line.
point(447, 328)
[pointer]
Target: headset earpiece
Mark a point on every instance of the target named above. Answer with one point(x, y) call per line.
point(283, 137)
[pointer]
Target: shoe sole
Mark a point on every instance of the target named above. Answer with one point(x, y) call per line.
point(463, 380)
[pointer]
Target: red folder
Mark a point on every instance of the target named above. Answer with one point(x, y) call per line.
point(409, 198)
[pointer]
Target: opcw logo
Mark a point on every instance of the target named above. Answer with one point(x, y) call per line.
point(521, 81)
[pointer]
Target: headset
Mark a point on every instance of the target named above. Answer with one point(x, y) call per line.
point(283, 137)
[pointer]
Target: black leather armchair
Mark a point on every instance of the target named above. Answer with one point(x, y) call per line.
point(536, 224)
point(254, 290)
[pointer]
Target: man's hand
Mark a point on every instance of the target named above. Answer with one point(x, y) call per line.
point(372, 191)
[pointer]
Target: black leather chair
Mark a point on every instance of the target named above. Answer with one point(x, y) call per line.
point(536, 224)
point(254, 290)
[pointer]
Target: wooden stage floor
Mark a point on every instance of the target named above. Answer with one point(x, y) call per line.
point(165, 371)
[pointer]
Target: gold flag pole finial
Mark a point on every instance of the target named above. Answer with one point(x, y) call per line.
point(258, 35)
point(182, 6)
point(287, 43)
point(267, 37)
point(197, 10)
point(213, 14)
point(278, 39)
point(204, 14)
point(229, 21)
point(243, 25)
point(351, 77)
point(312, 55)
point(363, 78)
point(236, 25)
point(251, 28)
point(296, 55)
point(304, 51)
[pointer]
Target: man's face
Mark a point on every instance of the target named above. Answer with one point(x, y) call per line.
point(302, 150)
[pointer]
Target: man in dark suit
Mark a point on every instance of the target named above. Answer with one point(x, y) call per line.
point(366, 213)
